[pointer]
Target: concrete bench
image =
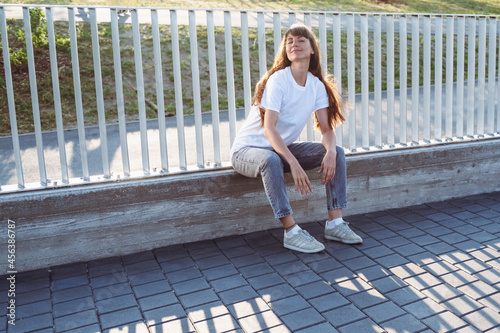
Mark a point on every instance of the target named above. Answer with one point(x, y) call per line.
point(89, 222)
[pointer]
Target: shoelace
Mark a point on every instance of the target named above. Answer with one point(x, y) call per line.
point(305, 235)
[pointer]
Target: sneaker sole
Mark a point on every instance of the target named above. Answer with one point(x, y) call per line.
point(343, 240)
point(291, 247)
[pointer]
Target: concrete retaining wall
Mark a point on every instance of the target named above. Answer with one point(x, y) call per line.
point(89, 222)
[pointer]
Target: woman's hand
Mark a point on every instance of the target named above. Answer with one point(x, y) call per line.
point(302, 183)
point(328, 166)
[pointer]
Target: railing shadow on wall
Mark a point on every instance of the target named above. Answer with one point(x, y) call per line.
point(410, 79)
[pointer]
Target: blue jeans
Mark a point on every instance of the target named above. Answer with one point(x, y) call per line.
point(253, 161)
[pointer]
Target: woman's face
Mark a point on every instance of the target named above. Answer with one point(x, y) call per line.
point(298, 48)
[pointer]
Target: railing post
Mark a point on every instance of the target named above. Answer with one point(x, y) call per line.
point(415, 77)
point(245, 55)
point(490, 127)
point(365, 120)
point(10, 100)
point(351, 80)
point(403, 77)
point(377, 64)
point(460, 77)
point(438, 79)
point(337, 66)
point(471, 74)
point(230, 76)
point(427, 79)
point(481, 75)
point(213, 86)
point(390, 80)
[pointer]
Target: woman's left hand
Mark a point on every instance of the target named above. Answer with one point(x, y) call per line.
point(328, 166)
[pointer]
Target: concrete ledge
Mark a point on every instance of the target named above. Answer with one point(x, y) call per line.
point(91, 222)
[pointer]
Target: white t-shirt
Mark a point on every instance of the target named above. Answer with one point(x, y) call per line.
point(294, 104)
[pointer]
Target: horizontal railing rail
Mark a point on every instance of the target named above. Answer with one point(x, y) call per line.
point(409, 80)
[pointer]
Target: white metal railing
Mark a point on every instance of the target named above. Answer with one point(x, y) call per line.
point(368, 53)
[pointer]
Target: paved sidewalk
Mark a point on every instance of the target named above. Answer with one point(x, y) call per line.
point(426, 268)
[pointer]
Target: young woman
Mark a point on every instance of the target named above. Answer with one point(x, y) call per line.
point(284, 99)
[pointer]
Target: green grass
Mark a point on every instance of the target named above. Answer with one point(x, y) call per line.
point(22, 90)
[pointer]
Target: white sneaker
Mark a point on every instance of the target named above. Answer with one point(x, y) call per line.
point(342, 233)
point(302, 242)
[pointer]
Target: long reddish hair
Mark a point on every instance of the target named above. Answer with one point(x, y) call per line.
point(281, 61)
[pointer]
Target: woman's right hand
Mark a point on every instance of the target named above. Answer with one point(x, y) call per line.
point(302, 183)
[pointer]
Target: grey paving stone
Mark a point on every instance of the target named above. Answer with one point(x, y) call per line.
point(445, 321)
point(364, 325)
point(384, 311)
point(458, 278)
point(248, 308)
point(281, 258)
point(219, 272)
point(315, 289)
point(373, 273)
point(478, 289)
point(440, 268)
point(107, 269)
point(344, 315)
point(229, 282)
point(259, 322)
point(238, 294)
point(69, 294)
point(69, 282)
point(205, 253)
point(424, 258)
point(383, 234)
point(165, 314)
point(169, 253)
point(453, 238)
point(482, 236)
point(367, 298)
point(346, 254)
point(198, 298)
point(467, 230)
point(288, 305)
point(108, 280)
point(405, 296)
point(33, 309)
point(289, 268)
point(190, 286)
point(359, 263)
point(74, 306)
point(323, 328)
point(70, 270)
point(424, 308)
point(490, 276)
point(338, 275)
point(116, 303)
point(441, 293)
point(224, 323)
point(231, 242)
point(273, 248)
point(177, 264)
point(351, 287)
point(302, 319)
point(84, 329)
point(468, 246)
point(238, 251)
point(472, 266)
point(265, 281)
point(392, 260)
point(76, 320)
point(152, 288)
point(207, 311)
point(408, 249)
point(120, 318)
point(439, 248)
point(388, 283)
point(301, 278)
point(146, 277)
point(34, 323)
point(422, 281)
point(103, 262)
point(309, 258)
point(439, 231)
point(27, 286)
point(112, 291)
point(484, 319)
point(248, 260)
point(406, 323)
point(277, 292)
point(138, 257)
point(142, 266)
point(462, 305)
point(256, 270)
point(328, 302)
point(157, 301)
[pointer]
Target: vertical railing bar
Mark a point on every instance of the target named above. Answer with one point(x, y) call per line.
point(351, 80)
point(498, 85)
point(403, 79)
point(450, 58)
point(490, 121)
point(471, 75)
point(213, 86)
point(415, 80)
point(365, 125)
point(291, 18)
point(245, 55)
point(141, 99)
point(78, 94)
point(179, 108)
point(57, 94)
point(390, 80)
point(99, 93)
point(277, 31)
point(261, 40)
point(310, 121)
point(195, 73)
point(481, 73)
point(230, 76)
point(120, 102)
point(160, 100)
point(460, 77)
point(377, 19)
point(427, 79)
point(337, 66)
point(438, 78)
point(322, 41)
point(10, 99)
point(34, 96)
